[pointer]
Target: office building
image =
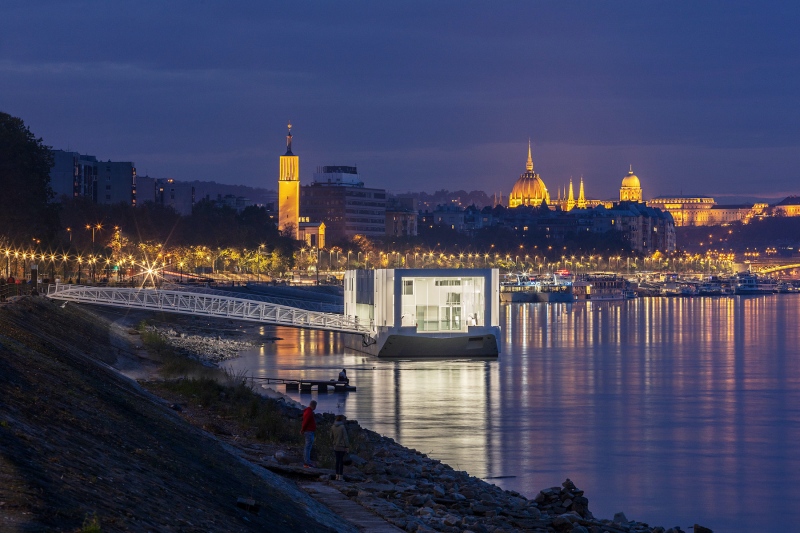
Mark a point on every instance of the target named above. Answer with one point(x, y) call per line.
point(338, 198)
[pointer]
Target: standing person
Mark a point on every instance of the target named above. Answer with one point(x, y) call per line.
point(308, 428)
point(341, 444)
point(343, 377)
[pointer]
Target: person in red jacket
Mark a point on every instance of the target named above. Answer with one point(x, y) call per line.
point(308, 428)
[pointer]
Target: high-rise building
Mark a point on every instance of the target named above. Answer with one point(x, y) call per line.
point(338, 198)
point(105, 182)
point(289, 191)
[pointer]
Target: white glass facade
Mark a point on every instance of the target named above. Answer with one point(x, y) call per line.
point(443, 303)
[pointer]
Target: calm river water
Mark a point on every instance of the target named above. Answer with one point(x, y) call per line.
point(674, 411)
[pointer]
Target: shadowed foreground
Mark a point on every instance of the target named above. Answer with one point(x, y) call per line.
point(82, 446)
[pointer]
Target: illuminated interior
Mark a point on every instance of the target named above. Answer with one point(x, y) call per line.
point(443, 303)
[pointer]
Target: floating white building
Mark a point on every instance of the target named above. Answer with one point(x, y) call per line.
point(425, 312)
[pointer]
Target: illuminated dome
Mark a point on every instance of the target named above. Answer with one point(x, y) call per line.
point(529, 188)
point(631, 190)
point(631, 180)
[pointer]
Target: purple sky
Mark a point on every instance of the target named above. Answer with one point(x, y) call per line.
point(700, 97)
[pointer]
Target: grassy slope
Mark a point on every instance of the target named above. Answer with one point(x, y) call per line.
point(79, 441)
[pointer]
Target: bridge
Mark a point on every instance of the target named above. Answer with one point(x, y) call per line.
point(770, 269)
point(210, 305)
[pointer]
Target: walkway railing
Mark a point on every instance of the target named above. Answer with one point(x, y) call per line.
point(204, 304)
point(288, 302)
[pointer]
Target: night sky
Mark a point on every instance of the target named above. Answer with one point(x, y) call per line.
point(700, 97)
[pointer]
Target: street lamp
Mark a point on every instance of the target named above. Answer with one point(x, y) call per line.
point(93, 228)
point(258, 264)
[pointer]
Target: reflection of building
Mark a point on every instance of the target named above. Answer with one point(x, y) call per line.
point(289, 191)
point(104, 182)
point(178, 196)
point(338, 198)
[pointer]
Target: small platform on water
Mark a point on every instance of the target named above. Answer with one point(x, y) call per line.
point(306, 385)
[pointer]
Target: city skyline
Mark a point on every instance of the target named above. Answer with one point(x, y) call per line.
point(697, 97)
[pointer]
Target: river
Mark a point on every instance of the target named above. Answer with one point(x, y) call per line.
point(673, 410)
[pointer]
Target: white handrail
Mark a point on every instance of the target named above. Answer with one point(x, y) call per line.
point(205, 304)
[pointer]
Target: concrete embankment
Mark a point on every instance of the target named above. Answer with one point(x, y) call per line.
point(80, 442)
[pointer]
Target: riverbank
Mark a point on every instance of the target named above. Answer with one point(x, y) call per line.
point(83, 448)
point(405, 487)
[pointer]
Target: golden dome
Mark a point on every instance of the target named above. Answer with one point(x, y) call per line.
point(631, 180)
point(528, 190)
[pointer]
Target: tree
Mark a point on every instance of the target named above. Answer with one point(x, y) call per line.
point(25, 210)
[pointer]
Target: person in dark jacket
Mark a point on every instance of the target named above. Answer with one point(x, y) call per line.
point(308, 427)
point(341, 444)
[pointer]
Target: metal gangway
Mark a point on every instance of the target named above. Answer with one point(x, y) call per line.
point(204, 304)
point(288, 302)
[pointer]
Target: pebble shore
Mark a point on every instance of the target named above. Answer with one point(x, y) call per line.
point(204, 348)
point(420, 494)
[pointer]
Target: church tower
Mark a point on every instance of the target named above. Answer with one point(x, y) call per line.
point(289, 191)
point(581, 197)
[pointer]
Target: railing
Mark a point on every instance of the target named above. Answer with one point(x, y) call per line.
point(204, 304)
point(289, 302)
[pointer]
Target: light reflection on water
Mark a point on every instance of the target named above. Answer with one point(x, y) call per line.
point(674, 410)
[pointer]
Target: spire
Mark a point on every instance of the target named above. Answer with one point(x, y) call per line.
point(289, 141)
point(529, 164)
point(571, 197)
point(631, 169)
point(581, 197)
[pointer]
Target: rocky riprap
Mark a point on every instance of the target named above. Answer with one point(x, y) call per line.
point(417, 493)
point(206, 348)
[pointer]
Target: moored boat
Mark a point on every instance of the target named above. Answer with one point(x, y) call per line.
point(748, 283)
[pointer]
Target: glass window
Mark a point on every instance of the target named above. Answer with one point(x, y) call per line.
point(408, 287)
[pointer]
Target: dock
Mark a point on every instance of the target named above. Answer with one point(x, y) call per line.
point(307, 385)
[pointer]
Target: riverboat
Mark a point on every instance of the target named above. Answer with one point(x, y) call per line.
point(605, 286)
point(748, 283)
point(424, 312)
point(521, 288)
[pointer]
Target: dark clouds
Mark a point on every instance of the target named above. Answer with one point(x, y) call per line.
point(699, 96)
